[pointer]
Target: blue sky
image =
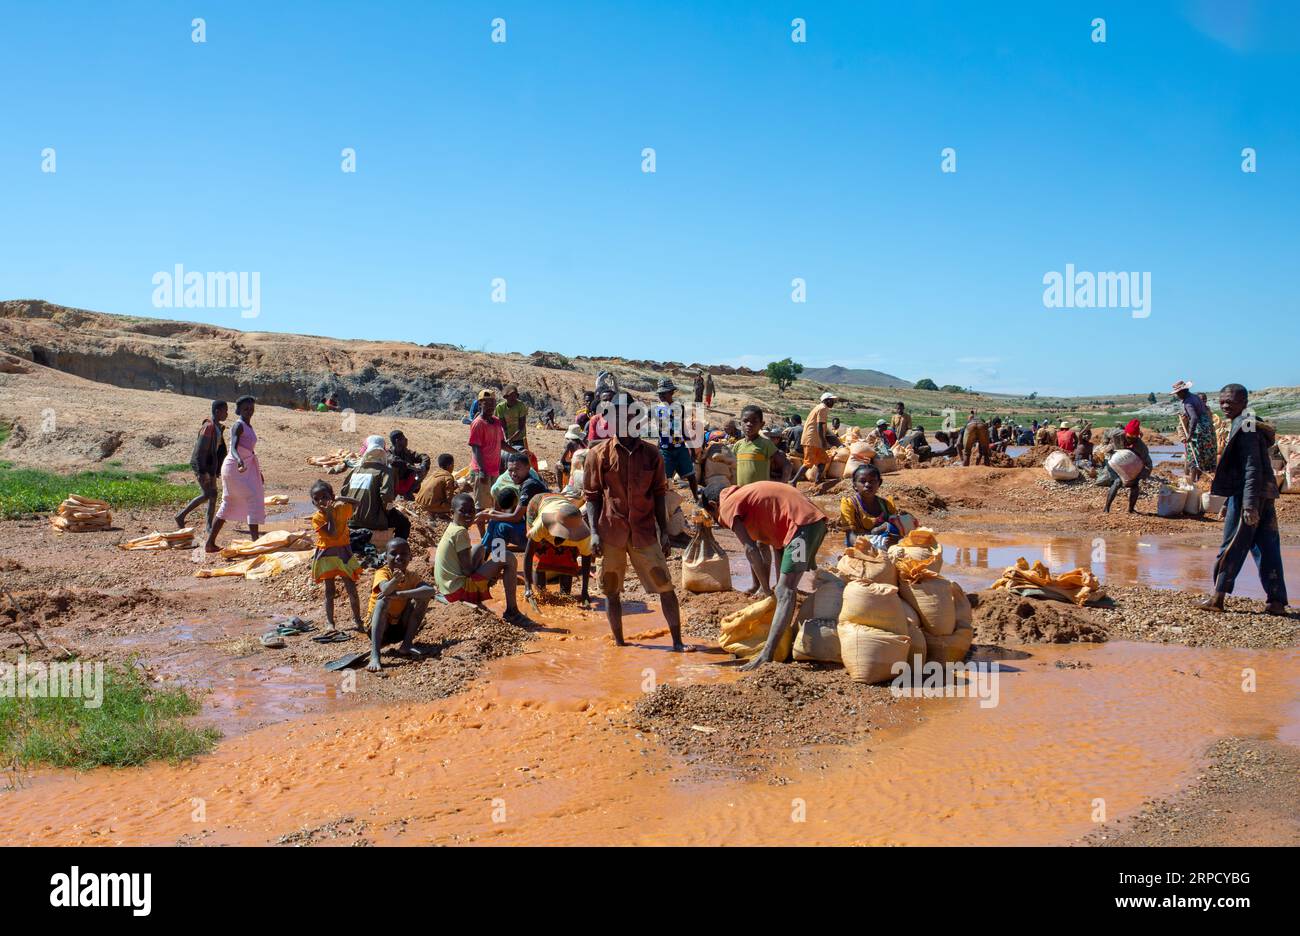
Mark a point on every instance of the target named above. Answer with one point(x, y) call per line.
point(774, 160)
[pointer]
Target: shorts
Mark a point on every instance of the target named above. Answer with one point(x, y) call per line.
point(651, 568)
point(482, 490)
point(678, 462)
point(207, 483)
point(800, 553)
point(476, 590)
point(812, 455)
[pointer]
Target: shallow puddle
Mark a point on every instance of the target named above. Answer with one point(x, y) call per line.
point(976, 560)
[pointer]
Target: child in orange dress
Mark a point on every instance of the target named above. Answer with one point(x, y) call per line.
point(333, 558)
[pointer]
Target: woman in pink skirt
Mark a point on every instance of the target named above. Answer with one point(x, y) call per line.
point(243, 494)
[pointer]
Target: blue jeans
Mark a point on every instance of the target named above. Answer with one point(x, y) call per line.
point(1263, 541)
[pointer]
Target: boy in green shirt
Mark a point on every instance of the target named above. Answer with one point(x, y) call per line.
point(755, 453)
point(465, 574)
point(514, 413)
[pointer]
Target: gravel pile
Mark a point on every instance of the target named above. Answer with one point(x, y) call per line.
point(1160, 616)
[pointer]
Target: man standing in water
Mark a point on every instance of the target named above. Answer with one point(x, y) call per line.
point(1245, 478)
point(625, 486)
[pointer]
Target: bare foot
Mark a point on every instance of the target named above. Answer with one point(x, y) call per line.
point(1211, 603)
point(754, 664)
point(409, 653)
point(683, 648)
point(374, 666)
point(180, 521)
point(1275, 608)
point(212, 549)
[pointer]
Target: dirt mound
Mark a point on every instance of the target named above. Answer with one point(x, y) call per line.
point(1160, 616)
point(916, 498)
point(1001, 617)
point(701, 614)
point(470, 634)
point(1033, 457)
point(748, 723)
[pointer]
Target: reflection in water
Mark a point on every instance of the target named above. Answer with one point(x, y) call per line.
point(1118, 558)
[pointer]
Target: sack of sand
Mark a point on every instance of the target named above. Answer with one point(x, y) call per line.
point(865, 563)
point(818, 641)
point(704, 566)
point(920, 546)
point(953, 646)
point(873, 631)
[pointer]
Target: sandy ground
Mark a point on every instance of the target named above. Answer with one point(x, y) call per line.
point(86, 596)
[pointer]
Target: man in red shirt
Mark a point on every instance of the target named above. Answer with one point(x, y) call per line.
point(1067, 440)
point(624, 484)
point(772, 514)
point(487, 434)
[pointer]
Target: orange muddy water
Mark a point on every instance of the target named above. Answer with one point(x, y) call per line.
point(534, 753)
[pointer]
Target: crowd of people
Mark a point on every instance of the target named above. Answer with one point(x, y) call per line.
point(612, 482)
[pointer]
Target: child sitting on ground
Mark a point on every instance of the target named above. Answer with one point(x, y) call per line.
point(505, 527)
point(398, 601)
point(333, 558)
point(867, 513)
point(434, 496)
point(465, 574)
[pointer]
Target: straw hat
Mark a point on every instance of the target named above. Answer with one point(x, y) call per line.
point(487, 393)
point(828, 396)
point(1065, 424)
point(1182, 385)
point(565, 521)
point(575, 433)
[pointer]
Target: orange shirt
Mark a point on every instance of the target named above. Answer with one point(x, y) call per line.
point(342, 536)
point(772, 512)
point(395, 605)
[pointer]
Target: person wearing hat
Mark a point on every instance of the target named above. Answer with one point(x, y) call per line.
point(487, 435)
point(887, 433)
point(1066, 438)
point(670, 420)
point(513, 413)
point(575, 439)
point(816, 440)
point(1197, 430)
point(598, 427)
point(558, 546)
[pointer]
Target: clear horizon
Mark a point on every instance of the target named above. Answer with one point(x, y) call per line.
point(485, 166)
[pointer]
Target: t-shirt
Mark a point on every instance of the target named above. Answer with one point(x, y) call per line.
point(772, 512)
point(901, 423)
point(814, 427)
point(436, 492)
point(489, 437)
point(395, 605)
point(515, 417)
point(342, 536)
point(669, 419)
point(859, 519)
point(1066, 440)
point(753, 460)
point(447, 573)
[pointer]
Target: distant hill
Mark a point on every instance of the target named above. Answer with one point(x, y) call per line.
point(854, 377)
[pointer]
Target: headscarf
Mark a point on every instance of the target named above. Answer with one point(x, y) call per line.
point(1134, 429)
point(373, 442)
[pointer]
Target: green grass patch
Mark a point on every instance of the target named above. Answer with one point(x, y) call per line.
point(172, 467)
point(5, 429)
point(28, 491)
point(135, 724)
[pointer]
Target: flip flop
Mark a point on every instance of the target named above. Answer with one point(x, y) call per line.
point(334, 636)
point(347, 662)
point(273, 641)
point(296, 625)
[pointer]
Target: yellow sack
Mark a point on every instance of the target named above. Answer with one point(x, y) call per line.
point(1079, 586)
point(934, 601)
point(260, 567)
point(744, 632)
point(818, 641)
point(177, 539)
point(952, 648)
point(874, 605)
point(864, 563)
point(920, 546)
point(274, 541)
point(870, 654)
point(704, 565)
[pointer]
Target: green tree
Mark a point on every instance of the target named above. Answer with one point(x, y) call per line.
point(1151, 397)
point(783, 373)
point(925, 383)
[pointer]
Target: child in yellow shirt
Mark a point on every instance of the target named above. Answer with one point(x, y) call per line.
point(333, 558)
